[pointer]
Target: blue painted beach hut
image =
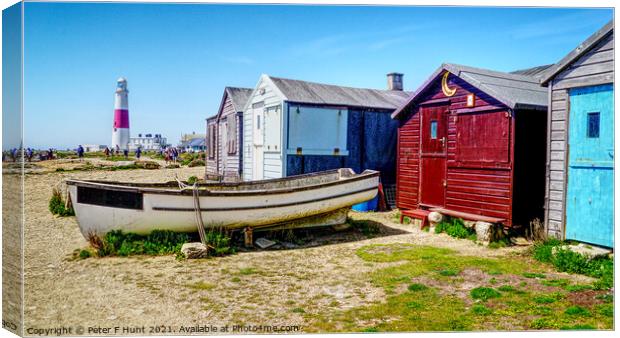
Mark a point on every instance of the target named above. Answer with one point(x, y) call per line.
point(293, 127)
point(580, 171)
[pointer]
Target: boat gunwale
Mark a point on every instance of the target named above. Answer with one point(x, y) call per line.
point(151, 190)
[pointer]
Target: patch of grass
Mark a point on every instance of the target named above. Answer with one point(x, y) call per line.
point(507, 288)
point(370, 329)
point(449, 272)
point(84, 254)
point(57, 205)
point(235, 280)
point(455, 227)
point(158, 242)
point(578, 287)
point(298, 310)
point(547, 298)
point(578, 327)
point(417, 287)
point(484, 293)
point(565, 260)
point(201, 286)
point(607, 298)
point(414, 305)
point(438, 309)
point(533, 275)
point(555, 282)
point(247, 271)
point(480, 309)
point(192, 179)
point(577, 311)
point(606, 310)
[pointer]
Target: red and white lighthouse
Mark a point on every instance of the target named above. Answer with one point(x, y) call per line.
point(120, 131)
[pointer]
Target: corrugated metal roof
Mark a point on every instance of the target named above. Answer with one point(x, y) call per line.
point(239, 96)
point(319, 93)
point(534, 71)
point(577, 52)
point(512, 89)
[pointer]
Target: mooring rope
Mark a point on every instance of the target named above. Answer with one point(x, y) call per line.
point(197, 213)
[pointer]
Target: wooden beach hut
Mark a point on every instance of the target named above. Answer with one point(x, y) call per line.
point(224, 136)
point(295, 127)
point(471, 144)
point(580, 170)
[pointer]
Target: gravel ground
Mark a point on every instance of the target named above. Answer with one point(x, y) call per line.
point(257, 287)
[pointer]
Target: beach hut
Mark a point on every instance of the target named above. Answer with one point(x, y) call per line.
point(224, 136)
point(580, 170)
point(293, 127)
point(471, 144)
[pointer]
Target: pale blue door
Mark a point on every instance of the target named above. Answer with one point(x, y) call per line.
point(590, 196)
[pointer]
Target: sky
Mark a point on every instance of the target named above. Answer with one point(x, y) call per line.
point(177, 58)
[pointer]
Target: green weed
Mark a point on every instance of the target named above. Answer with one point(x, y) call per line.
point(484, 293)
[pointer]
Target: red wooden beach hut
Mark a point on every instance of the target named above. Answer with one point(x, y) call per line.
point(471, 144)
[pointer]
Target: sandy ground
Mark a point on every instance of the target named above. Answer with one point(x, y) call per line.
point(259, 287)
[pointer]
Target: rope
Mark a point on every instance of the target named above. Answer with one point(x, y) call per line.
point(197, 213)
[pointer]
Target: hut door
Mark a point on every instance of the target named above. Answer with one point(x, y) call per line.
point(433, 155)
point(589, 201)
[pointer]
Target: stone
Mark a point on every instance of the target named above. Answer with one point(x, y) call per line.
point(469, 224)
point(434, 218)
point(521, 241)
point(195, 250)
point(485, 232)
point(586, 250)
point(264, 243)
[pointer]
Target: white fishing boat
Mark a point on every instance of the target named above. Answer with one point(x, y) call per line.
point(317, 199)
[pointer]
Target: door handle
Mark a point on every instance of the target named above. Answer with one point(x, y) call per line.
point(443, 142)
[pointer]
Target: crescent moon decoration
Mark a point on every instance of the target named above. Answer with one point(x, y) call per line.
point(447, 91)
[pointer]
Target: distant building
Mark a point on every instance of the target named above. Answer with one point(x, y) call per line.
point(148, 142)
point(91, 148)
point(194, 145)
point(192, 136)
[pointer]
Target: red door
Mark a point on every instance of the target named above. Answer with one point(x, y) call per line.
point(433, 155)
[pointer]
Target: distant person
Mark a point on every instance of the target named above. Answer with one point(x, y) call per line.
point(50, 154)
point(126, 153)
point(14, 154)
point(138, 152)
point(117, 150)
point(29, 154)
point(80, 152)
point(175, 154)
point(106, 151)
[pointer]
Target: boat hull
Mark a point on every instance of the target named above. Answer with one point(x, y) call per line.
point(165, 210)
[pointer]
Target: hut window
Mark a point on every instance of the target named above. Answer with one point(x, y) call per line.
point(212, 141)
point(434, 130)
point(231, 133)
point(257, 122)
point(594, 125)
point(110, 198)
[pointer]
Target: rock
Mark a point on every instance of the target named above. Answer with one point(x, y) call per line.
point(434, 218)
point(520, 241)
point(264, 243)
point(173, 166)
point(469, 224)
point(485, 232)
point(148, 164)
point(123, 163)
point(195, 250)
point(586, 250)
